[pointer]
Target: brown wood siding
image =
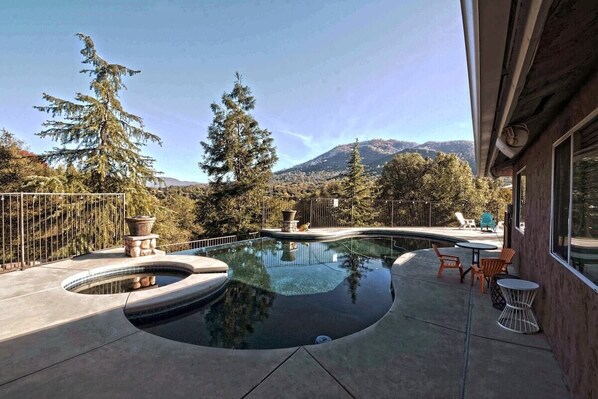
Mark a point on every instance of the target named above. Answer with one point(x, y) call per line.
point(566, 307)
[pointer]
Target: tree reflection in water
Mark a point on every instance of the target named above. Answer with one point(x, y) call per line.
point(354, 259)
point(355, 265)
point(231, 321)
point(358, 252)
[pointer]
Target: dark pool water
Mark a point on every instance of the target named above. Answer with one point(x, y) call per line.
point(128, 283)
point(283, 294)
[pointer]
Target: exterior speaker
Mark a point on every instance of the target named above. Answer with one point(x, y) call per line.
point(512, 140)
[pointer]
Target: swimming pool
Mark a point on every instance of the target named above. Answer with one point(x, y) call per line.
point(286, 293)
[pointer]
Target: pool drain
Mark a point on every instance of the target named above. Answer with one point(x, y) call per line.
point(320, 339)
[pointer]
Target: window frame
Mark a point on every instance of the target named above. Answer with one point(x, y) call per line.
point(518, 198)
point(566, 263)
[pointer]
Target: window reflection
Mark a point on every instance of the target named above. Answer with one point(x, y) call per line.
point(584, 209)
point(560, 210)
point(521, 197)
point(575, 201)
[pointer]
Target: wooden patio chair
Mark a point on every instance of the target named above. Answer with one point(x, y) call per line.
point(507, 254)
point(486, 270)
point(448, 262)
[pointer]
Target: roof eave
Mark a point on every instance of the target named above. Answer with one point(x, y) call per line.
point(497, 68)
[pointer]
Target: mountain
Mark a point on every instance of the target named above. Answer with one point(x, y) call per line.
point(172, 182)
point(374, 155)
point(335, 160)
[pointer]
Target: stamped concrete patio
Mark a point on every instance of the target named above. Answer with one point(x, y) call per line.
point(439, 340)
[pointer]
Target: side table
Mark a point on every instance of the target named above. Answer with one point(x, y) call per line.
point(517, 316)
point(498, 299)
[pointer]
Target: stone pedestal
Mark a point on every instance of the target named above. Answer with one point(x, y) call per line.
point(290, 227)
point(136, 246)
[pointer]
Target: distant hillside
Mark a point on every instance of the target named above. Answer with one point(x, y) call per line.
point(462, 148)
point(374, 154)
point(172, 182)
point(335, 160)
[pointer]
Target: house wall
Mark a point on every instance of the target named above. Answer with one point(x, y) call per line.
point(566, 307)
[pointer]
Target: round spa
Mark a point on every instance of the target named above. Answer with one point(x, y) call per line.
point(125, 279)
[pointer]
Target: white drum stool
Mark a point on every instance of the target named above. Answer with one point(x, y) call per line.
point(517, 315)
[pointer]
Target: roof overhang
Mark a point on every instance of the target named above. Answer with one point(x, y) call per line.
point(485, 67)
point(501, 38)
point(527, 59)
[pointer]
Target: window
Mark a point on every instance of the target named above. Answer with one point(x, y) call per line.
point(574, 235)
point(520, 201)
point(560, 201)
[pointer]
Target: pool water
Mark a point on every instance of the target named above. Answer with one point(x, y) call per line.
point(283, 294)
point(127, 283)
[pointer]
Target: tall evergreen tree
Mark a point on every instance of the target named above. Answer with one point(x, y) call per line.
point(238, 158)
point(99, 137)
point(357, 188)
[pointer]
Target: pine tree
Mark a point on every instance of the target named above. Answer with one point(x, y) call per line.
point(238, 158)
point(358, 190)
point(99, 137)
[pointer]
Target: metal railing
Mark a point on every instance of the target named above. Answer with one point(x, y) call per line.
point(206, 242)
point(339, 212)
point(38, 228)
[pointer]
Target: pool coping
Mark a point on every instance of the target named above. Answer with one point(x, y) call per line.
point(334, 234)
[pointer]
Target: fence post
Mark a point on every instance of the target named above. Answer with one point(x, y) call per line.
point(392, 213)
point(22, 228)
point(311, 222)
point(124, 214)
point(430, 216)
point(351, 212)
point(263, 211)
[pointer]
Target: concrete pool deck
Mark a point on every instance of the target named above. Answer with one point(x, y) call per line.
point(439, 340)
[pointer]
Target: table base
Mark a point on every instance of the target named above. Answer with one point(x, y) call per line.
point(518, 320)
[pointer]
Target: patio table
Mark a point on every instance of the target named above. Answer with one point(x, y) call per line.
point(517, 315)
point(475, 247)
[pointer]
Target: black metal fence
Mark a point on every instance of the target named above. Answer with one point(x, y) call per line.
point(37, 228)
point(338, 212)
point(206, 242)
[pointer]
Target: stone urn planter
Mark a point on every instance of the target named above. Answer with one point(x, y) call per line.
point(288, 215)
point(140, 225)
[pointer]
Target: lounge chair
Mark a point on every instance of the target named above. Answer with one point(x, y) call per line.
point(487, 222)
point(486, 270)
point(465, 223)
point(448, 262)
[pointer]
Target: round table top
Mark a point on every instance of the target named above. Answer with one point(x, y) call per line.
point(475, 245)
point(513, 284)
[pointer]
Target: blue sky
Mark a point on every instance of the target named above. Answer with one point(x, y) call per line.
point(323, 72)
